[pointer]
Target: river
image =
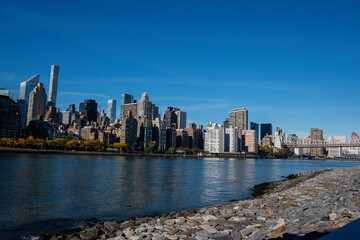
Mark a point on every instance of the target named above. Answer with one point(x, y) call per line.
point(49, 193)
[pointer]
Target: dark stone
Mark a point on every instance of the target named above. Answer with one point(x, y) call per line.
point(236, 235)
point(89, 234)
point(111, 226)
point(127, 224)
point(325, 218)
point(190, 231)
point(346, 214)
point(221, 237)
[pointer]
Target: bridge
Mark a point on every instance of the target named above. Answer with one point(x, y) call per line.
point(309, 143)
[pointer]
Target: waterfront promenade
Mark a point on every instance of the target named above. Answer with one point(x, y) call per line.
point(308, 205)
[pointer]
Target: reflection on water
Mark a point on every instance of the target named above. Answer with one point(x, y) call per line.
point(45, 193)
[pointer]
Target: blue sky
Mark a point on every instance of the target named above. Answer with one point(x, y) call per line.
point(295, 64)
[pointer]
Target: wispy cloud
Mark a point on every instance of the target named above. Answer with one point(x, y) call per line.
point(218, 83)
point(87, 94)
point(303, 110)
point(200, 107)
point(179, 98)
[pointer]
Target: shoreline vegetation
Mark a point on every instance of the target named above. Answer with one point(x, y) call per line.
point(303, 206)
point(68, 144)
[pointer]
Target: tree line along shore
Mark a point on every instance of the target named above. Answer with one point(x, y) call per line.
point(69, 144)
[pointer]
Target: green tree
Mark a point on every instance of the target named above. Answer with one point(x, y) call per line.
point(20, 143)
point(73, 144)
point(68, 138)
point(122, 146)
point(151, 146)
point(9, 142)
point(171, 150)
point(29, 142)
point(97, 145)
point(59, 143)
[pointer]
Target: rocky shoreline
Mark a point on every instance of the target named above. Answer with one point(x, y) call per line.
point(305, 206)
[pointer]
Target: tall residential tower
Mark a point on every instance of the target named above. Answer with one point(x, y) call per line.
point(37, 103)
point(111, 110)
point(54, 77)
point(239, 118)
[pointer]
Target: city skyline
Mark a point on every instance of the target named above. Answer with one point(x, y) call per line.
point(297, 75)
point(105, 107)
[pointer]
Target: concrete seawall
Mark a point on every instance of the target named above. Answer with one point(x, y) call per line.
point(307, 206)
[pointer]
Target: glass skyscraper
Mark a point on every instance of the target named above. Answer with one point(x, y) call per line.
point(27, 86)
point(111, 110)
point(266, 128)
point(125, 99)
point(54, 77)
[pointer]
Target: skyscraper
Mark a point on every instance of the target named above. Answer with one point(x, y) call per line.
point(130, 107)
point(214, 138)
point(170, 117)
point(181, 119)
point(129, 130)
point(9, 118)
point(37, 103)
point(54, 76)
point(255, 126)
point(144, 108)
point(159, 133)
point(266, 128)
point(89, 110)
point(155, 113)
point(239, 118)
point(27, 86)
point(125, 99)
point(111, 110)
point(23, 108)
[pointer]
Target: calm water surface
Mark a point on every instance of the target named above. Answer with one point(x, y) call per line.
point(48, 193)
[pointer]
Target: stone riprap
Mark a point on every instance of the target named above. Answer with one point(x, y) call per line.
point(307, 206)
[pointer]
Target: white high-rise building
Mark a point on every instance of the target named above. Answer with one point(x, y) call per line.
point(144, 106)
point(214, 138)
point(27, 86)
point(54, 77)
point(111, 110)
point(232, 140)
point(181, 119)
point(278, 138)
point(219, 139)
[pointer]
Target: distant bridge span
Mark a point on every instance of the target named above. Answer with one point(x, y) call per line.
point(309, 143)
